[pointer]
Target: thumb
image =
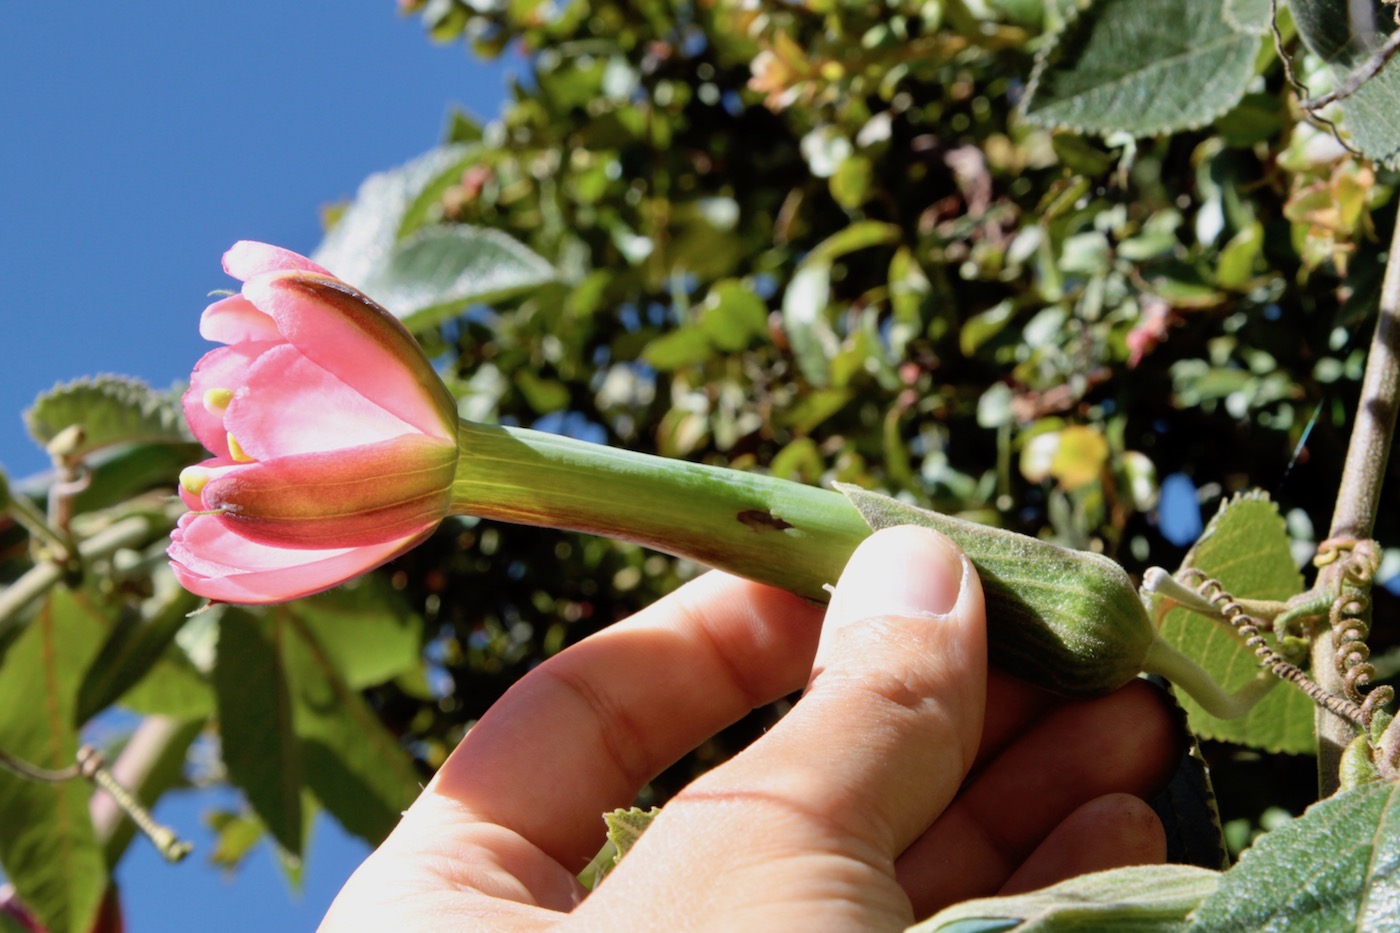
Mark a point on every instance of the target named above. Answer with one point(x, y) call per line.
point(900, 682)
point(892, 715)
point(865, 761)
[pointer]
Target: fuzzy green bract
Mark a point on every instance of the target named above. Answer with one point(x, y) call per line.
point(1069, 621)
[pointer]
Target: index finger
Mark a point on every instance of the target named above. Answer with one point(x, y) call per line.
point(582, 733)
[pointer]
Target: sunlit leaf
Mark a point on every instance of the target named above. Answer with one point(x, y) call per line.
point(1246, 547)
point(1336, 867)
point(1147, 898)
point(436, 271)
point(47, 846)
point(1116, 69)
point(110, 410)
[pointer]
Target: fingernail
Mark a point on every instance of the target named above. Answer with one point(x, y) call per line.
point(899, 571)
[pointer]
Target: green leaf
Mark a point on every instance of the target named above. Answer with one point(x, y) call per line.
point(47, 847)
point(1145, 67)
point(1246, 548)
point(732, 316)
point(368, 633)
point(542, 395)
point(430, 276)
point(260, 748)
point(1372, 114)
point(985, 325)
point(235, 834)
point(1336, 867)
point(857, 236)
point(684, 347)
point(111, 410)
point(356, 769)
point(388, 205)
point(625, 827)
point(132, 649)
point(809, 334)
point(1145, 898)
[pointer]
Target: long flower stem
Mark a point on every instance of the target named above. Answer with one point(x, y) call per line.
point(1359, 496)
point(771, 530)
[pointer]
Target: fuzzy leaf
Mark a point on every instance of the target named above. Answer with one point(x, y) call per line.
point(430, 276)
point(1146, 67)
point(625, 827)
point(424, 273)
point(1337, 867)
point(388, 206)
point(1146, 898)
point(1246, 548)
point(47, 845)
point(111, 410)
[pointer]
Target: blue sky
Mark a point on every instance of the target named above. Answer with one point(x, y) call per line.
point(137, 142)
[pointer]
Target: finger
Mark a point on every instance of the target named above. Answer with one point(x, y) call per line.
point(805, 823)
point(582, 733)
point(1013, 708)
point(1126, 742)
point(1112, 831)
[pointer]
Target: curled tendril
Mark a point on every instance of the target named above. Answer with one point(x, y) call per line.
point(1248, 628)
point(1348, 619)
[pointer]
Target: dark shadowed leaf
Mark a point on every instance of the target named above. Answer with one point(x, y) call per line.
point(260, 748)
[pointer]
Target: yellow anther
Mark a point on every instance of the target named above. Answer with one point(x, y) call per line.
point(216, 400)
point(193, 480)
point(235, 450)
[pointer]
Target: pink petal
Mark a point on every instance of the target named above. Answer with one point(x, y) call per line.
point(344, 498)
point(234, 320)
point(288, 405)
point(213, 562)
point(248, 258)
point(349, 335)
point(223, 368)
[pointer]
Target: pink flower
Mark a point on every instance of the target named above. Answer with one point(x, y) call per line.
point(334, 441)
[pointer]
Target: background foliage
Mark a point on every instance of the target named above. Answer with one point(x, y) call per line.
point(968, 252)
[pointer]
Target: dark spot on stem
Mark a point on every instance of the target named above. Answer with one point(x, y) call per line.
point(758, 520)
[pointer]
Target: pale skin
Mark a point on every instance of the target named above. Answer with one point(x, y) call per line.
point(906, 777)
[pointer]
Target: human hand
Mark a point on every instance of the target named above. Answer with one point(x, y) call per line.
point(855, 812)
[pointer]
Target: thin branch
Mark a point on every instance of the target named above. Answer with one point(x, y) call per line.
point(32, 772)
point(1298, 87)
point(1358, 499)
point(1359, 76)
point(131, 531)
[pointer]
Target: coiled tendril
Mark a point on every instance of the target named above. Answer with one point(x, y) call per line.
point(1248, 628)
point(1349, 619)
